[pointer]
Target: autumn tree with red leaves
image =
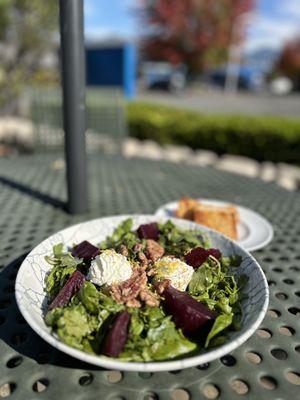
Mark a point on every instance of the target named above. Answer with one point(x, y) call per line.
point(289, 61)
point(195, 32)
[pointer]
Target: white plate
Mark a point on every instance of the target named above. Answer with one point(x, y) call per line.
point(31, 298)
point(254, 231)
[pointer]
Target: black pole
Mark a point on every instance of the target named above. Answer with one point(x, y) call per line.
point(73, 84)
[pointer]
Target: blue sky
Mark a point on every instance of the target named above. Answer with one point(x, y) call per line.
point(104, 18)
point(274, 22)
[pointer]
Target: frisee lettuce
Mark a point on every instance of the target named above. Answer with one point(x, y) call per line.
point(64, 264)
point(178, 241)
point(214, 285)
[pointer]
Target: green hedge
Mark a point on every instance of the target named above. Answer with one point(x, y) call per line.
point(262, 138)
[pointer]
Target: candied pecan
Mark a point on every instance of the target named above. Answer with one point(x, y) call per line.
point(116, 293)
point(129, 290)
point(143, 259)
point(160, 286)
point(133, 303)
point(154, 250)
point(123, 250)
point(149, 298)
point(151, 272)
point(137, 247)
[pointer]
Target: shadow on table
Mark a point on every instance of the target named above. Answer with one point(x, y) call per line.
point(33, 193)
point(18, 335)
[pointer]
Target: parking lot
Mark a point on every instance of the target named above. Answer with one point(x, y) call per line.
point(213, 101)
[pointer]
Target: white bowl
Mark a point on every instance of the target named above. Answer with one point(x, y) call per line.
point(31, 297)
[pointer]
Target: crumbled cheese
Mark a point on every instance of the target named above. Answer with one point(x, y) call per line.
point(108, 268)
point(177, 271)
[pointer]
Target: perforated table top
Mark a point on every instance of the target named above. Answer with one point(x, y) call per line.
point(32, 192)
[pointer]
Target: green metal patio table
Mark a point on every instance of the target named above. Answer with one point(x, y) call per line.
point(32, 198)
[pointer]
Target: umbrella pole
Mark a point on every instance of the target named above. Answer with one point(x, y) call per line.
point(73, 85)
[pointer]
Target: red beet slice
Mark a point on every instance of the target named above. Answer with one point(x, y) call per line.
point(85, 250)
point(73, 284)
point(188, 314)
point(148, 231)
point(215, 253)
point(198, 256)
point(116, 338)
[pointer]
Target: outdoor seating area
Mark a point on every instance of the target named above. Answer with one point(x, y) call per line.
point(149, 250)
point(33, 196)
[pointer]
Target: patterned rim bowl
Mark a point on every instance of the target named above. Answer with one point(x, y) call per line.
point(31, 298)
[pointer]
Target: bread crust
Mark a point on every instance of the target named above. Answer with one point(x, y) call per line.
point(223, 219)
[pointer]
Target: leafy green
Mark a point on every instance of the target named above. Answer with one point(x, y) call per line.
point(232, 261)
point(108, 304)
point(178, 241)
point(153, 336)
point(214, 285)
point(89, 296)
point(53, 316)
point(98, 303)
point(222, 322)
point(72, 324)
point(64, 264)
point(123, 235)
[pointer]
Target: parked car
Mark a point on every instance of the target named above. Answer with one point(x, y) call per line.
point(163, 75)
point(248, 78)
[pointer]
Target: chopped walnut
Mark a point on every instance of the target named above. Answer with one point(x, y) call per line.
point(149, 298)
point(143, 259)
point(137, 247)
point(129, 290)
point(154, 250)
point(160, 286)
point(134, 291)
point(151, 272)
point(123, 250)
point(133, 303)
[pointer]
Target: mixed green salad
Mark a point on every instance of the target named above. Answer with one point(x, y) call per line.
point(151, 294)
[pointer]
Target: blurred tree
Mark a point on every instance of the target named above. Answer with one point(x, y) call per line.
point(289, 62)
point(196, 32)
point(27, 34)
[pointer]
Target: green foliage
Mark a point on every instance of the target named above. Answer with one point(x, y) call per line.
point(214, 285)
point(153, 336)
point(64, 264)
point(222, 322)
point(73, 324)
point(262, 138)
point(178, 241)
point(27, 30)
point(89, 297)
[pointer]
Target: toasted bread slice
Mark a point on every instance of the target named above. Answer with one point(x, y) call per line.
point(222, 219)
point(186, 208)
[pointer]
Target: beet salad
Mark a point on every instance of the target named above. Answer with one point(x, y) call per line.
point(154, 293)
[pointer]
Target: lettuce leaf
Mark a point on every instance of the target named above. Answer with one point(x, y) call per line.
point(89, 296)
point(64, 264)
point(153, 336)
point(222, 322)
point(214, 285)
point(72, 324)
point(178, 241)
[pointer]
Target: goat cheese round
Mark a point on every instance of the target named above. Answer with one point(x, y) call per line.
point(177, 271)
point(108, 268)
